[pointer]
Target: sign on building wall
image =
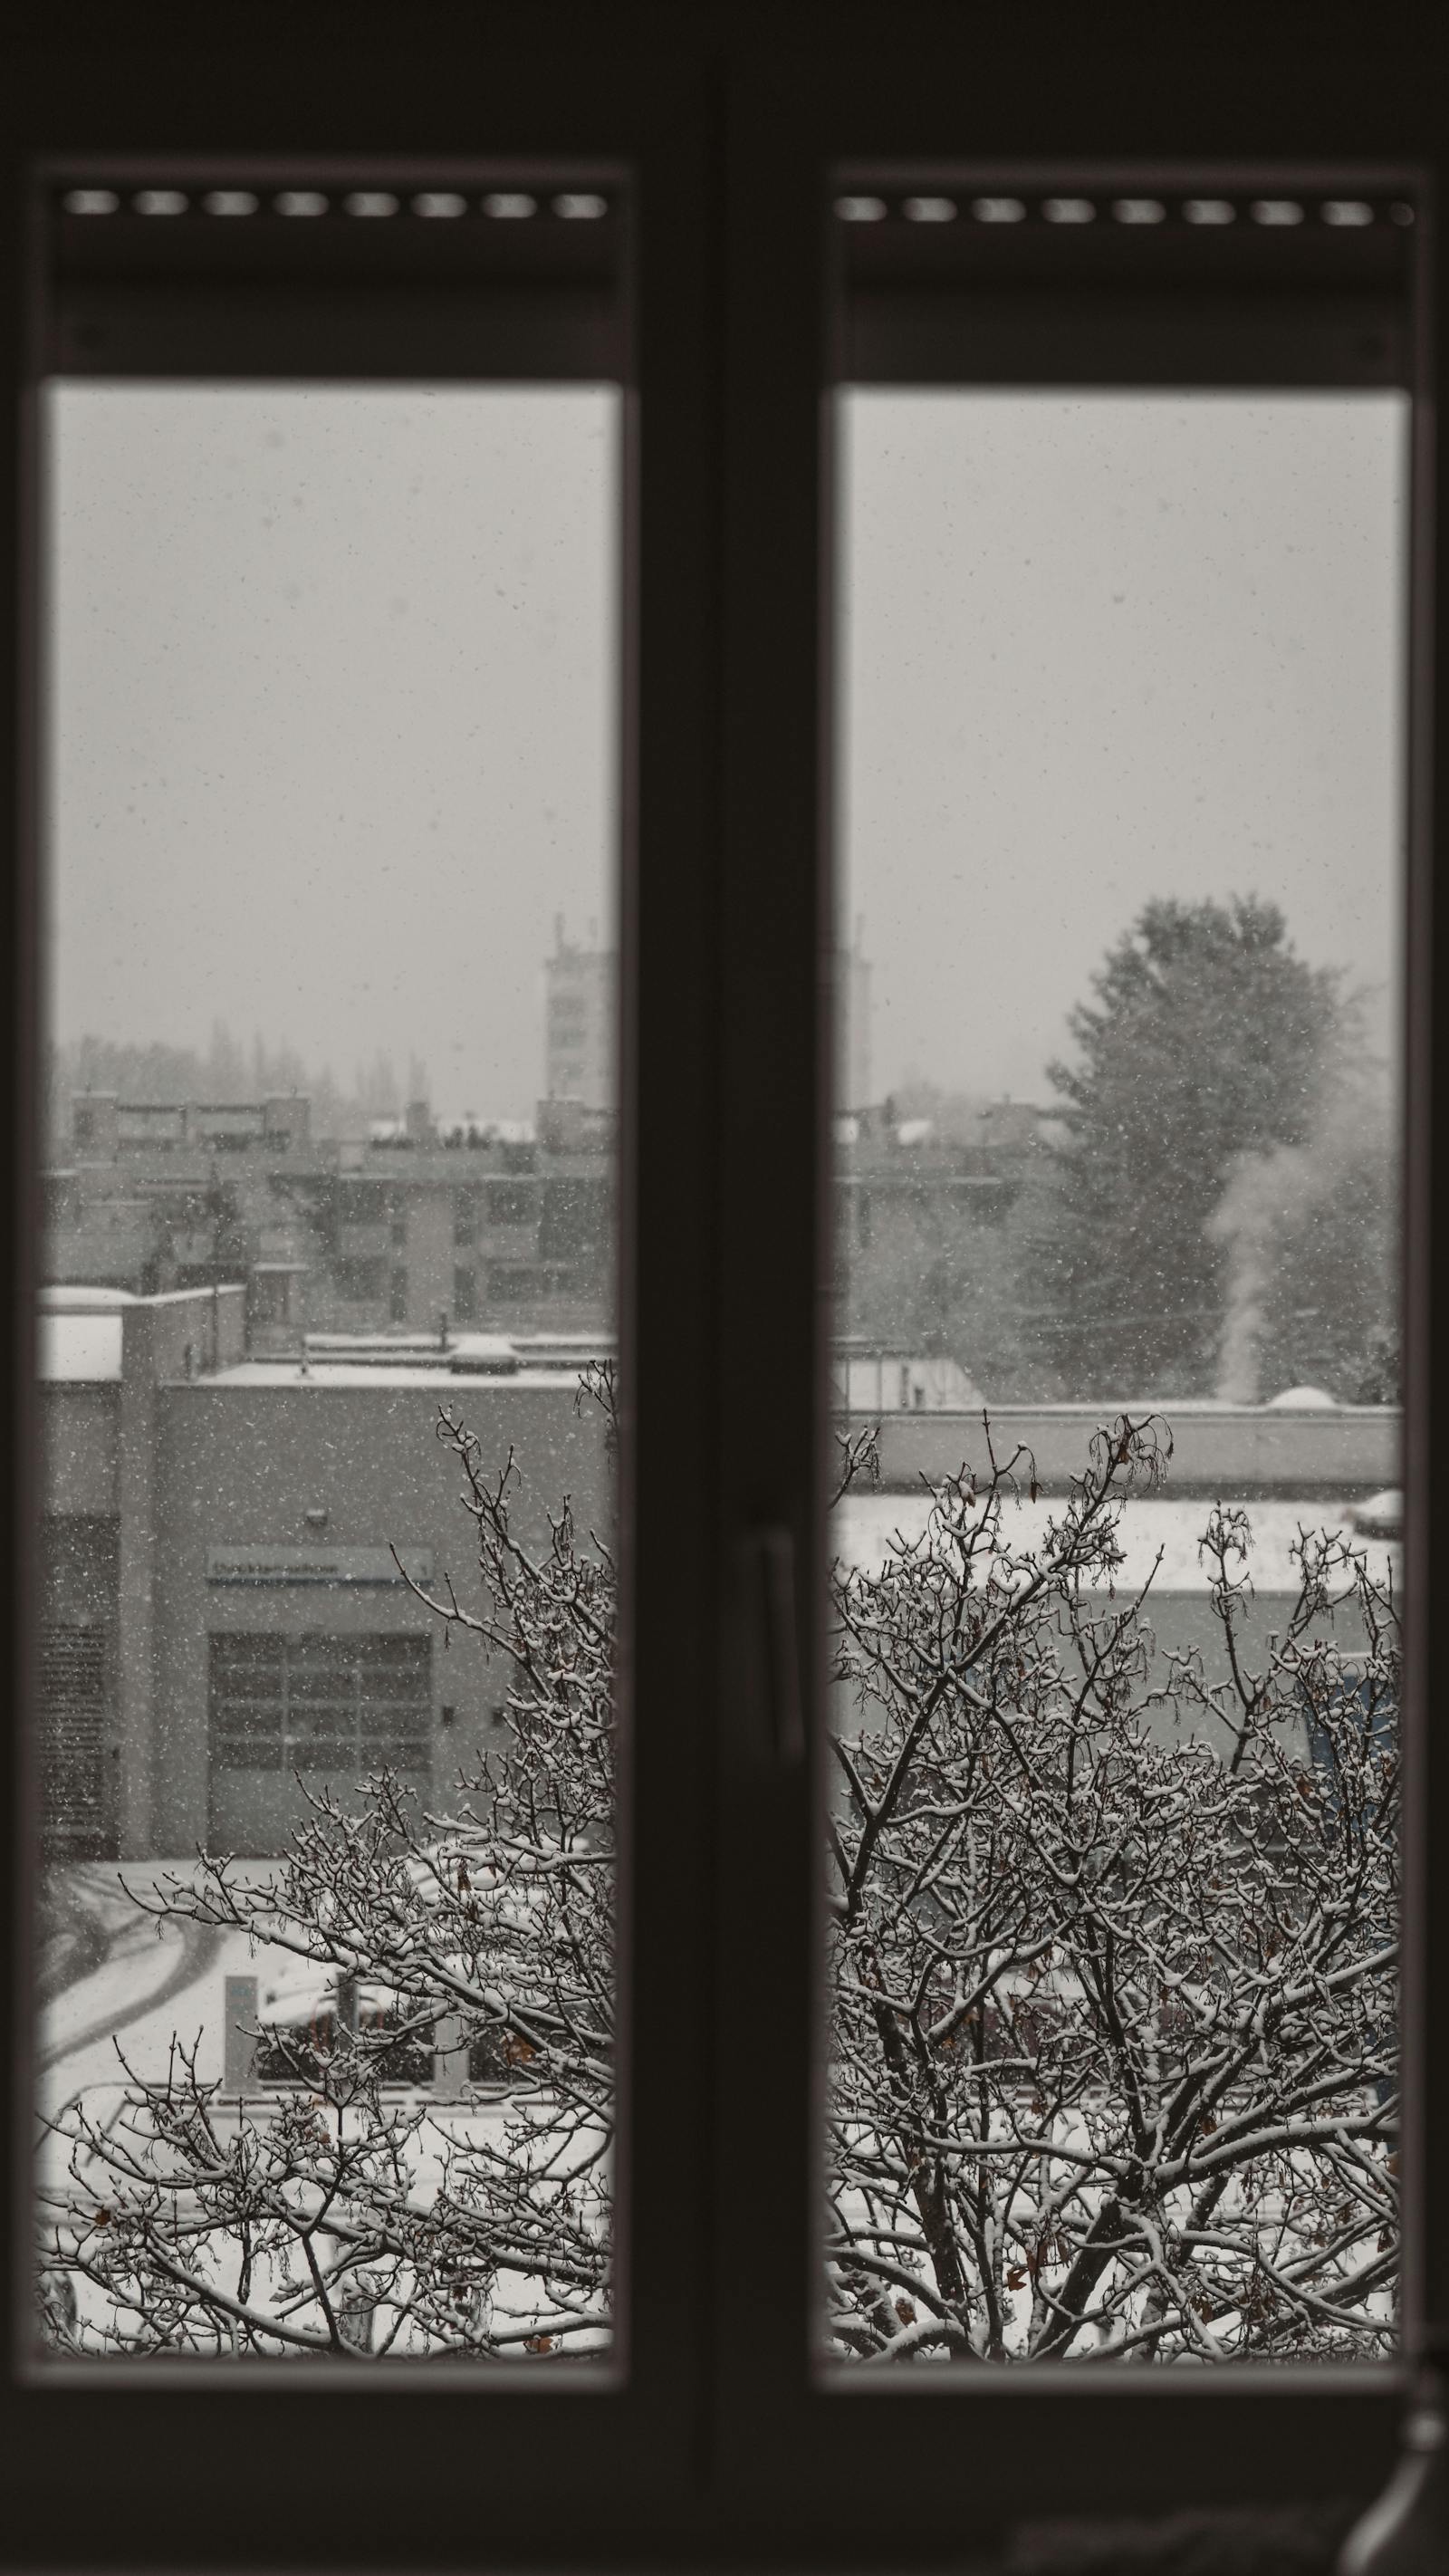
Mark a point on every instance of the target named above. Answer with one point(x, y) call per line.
point(315, 1564)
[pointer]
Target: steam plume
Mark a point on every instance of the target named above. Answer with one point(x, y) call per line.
point(1266, 1193)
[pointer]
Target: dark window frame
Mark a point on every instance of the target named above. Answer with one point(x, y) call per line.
point(714, 2437)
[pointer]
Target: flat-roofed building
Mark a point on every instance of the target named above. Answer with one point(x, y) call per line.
point(221, 1612)
point(220, 1607)
point(415, 1220)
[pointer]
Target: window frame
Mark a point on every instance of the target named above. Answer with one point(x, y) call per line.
point(624, 2428)
point(1270, 2432)
point(715, 2436)
point(1300, 349)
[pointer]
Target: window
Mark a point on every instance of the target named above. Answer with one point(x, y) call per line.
point(72, 1705)
point(923, 309)
point(510, 1203)
point(266, 1460)
point(1174, 1029)
point(711, 2427)
point(304, 1710)
point(360, 1283)
point(1197, 1227)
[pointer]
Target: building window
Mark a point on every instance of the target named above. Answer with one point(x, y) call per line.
point(290, 1713)
point(383, 487)
point(575, 1220)
point(511, 1203)
point(360, 1282)
point(74, 1706)
point(511, 1286)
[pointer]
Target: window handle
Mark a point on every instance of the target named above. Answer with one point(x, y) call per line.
point(771, 1551)
point(1405, 2532)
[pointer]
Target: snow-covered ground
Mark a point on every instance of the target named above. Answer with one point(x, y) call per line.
point(151, 1979)
point(160, 1983)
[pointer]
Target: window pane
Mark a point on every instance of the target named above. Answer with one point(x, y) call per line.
point(1115, 1602)
point(332, 994)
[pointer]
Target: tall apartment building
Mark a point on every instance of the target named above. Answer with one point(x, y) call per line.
point(854, 1072)
point(582, 1022)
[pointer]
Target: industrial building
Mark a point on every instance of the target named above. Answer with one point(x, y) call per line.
point(220, 1606)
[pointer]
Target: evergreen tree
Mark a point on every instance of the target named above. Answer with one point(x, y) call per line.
point(1209, 1040)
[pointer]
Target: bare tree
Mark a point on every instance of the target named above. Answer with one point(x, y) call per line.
point(1113, 2009)
point(1111, 2041)
point(345, 2219)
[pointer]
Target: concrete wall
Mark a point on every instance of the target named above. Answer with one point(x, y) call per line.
point(162, 1337)
point(1179, 1624)
point(430, 1254)
point(1217, 1450)
point(241, 1465)
point(209, 1323)
point(188, 1461)
point(78, 1755)
point(80, 1428)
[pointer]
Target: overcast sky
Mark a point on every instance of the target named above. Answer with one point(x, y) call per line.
point(1101, 647)
point(334, 718)
point(334, 706)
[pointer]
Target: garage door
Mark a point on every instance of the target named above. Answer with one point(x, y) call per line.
point(318, 1710)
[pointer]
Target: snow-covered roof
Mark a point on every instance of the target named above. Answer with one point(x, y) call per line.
point(85, 1301)
point(483, 1354)
point(419, 1374)
point(863, 1526)
point(336, 1345)
point(1382, 1516)
point(80, 1349)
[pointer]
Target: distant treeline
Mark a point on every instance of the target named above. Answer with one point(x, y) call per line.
point(225, 1070)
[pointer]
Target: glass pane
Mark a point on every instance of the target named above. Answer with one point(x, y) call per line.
point(330, 1154)
point(1112, 1873)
